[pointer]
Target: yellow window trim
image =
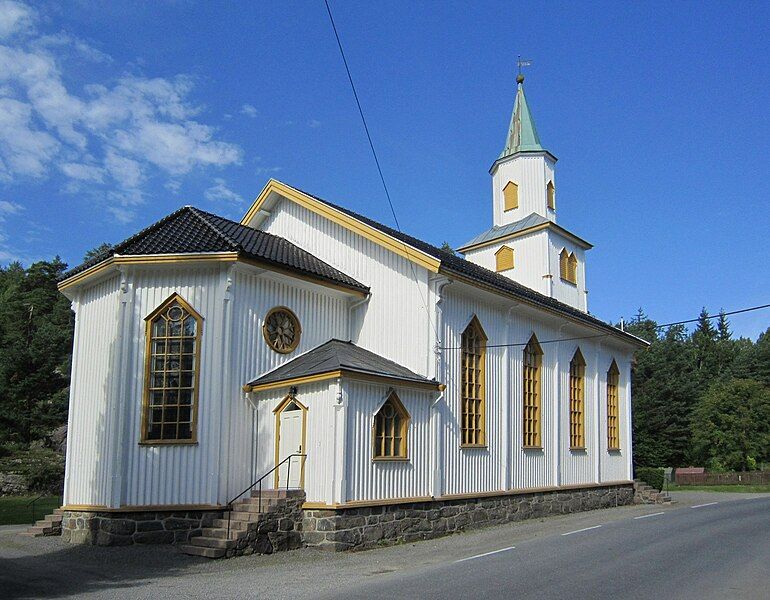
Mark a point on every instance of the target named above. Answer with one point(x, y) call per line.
point(144, 439)
point(352, 224)
point(277, 412)
point(406, 418)
point(476, 436)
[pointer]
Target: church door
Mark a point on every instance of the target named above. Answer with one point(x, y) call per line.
point(290, 440)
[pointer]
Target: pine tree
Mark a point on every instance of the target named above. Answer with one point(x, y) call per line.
point(723, 327)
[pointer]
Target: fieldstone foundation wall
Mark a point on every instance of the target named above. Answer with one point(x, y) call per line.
point(365, 527)
point(276, 530)
point(122, 529)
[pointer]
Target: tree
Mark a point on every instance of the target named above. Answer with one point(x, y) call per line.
point(731, 425)
point(447, 248)
point(101, 250)
point(35, 344)
point(723, 327)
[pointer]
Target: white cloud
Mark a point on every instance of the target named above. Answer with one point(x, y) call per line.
point(266, 170)
point(220, 191)
point(110, 140)
point(314, 123)
point(9, 208)
point(249, 110)
point(15, 17)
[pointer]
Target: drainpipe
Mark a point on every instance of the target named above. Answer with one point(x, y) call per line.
point(439, 370)
point(351, 308)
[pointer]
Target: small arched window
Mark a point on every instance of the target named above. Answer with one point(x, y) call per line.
point(511, 196)
point(391, 424)
point(613, 407)
point(171, 373)
point(504, 259)
point(551, 195)
point(577, 371)
point(568, 266)
point(531, 406)
point(473, 375)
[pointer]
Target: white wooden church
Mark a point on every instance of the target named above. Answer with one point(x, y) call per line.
point(374, 368)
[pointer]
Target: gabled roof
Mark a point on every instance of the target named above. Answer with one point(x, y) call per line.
point(337, 358)
point(531, 222)
point(455, 266)
point(191, 231)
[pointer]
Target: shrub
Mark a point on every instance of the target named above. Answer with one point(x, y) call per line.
point(652, 476)
point(42, 469)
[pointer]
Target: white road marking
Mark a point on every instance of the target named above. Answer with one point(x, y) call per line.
point(702, 505)
point(652, 515)
point(584, 529)
point(486, 554)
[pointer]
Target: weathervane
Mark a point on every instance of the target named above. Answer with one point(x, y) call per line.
point(522, 63)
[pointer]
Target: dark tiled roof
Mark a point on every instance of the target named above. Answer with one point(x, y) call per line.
point(190, 230)
point(337, 355)
point(451, 264)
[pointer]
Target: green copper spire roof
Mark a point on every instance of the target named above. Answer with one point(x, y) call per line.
point(522, 135)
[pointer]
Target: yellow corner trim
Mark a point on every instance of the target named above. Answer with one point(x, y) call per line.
point(351, 223)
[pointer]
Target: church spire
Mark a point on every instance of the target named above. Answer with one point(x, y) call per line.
point(522, 134)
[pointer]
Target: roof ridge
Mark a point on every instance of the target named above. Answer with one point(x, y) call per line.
point(200, 215)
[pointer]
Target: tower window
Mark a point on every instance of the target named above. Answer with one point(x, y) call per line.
point(511, 196)
point(504, 259)
point(551, 193)
point(568, 266)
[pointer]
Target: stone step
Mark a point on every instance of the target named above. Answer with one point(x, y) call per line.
point(210, 542)
point(221, 533)
point(245, 516)
point(51, 519)
point(38, 531)
point(254, 504)
point(235, 524)
point(202, 551)
point(58, 511)
point(282, 493)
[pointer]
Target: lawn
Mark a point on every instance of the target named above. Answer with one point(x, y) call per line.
point(720, 488)
point(16, 509)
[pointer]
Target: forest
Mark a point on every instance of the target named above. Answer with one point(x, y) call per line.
point(699, 398)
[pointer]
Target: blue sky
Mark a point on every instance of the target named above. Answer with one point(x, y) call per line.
point(113, 115)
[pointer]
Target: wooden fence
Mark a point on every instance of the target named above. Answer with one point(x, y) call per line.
point(749, 478)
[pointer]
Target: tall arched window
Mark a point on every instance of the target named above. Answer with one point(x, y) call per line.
point(613, 408)
point(531, 411)
point(577, 370)
point(551, 194)
point(391, 424)
point(171, 373)
point(473, 374)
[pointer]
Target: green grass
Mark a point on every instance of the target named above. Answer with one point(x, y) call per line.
point(15, 510)
point(720, 488)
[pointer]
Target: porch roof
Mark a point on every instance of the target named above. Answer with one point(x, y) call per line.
point(338, 358)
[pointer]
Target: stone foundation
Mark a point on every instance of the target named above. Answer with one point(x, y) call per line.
point(276, 530)
point(125, 528)
point(365, 527)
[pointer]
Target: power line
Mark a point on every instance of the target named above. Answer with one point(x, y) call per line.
point(732, 312)
point(377, 161)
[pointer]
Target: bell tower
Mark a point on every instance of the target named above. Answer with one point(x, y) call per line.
point(523, 176)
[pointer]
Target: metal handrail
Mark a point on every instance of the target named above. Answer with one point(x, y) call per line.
point(32, 502)
point(229, 504)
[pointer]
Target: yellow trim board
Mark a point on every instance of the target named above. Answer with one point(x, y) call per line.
point(140, 507)
point(560, 230)
point(343, 219)
point(274, 385)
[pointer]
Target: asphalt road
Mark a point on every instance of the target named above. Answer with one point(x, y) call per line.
point(708, 545)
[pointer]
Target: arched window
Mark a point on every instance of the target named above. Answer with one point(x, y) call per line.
point(531, 419)
point(511, 196)
point(568, 266)
point(551, 195)
point(504, 259)
point(171, 373)
point(577, 370)
point(613, 408)
point(473, 374)
point(391, 424)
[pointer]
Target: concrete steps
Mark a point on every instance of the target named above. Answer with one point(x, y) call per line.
point(646, 494)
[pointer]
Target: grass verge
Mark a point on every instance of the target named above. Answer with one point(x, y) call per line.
point(16, 510)
point(720, 488)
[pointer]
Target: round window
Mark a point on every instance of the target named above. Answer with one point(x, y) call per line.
point(281, 330)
